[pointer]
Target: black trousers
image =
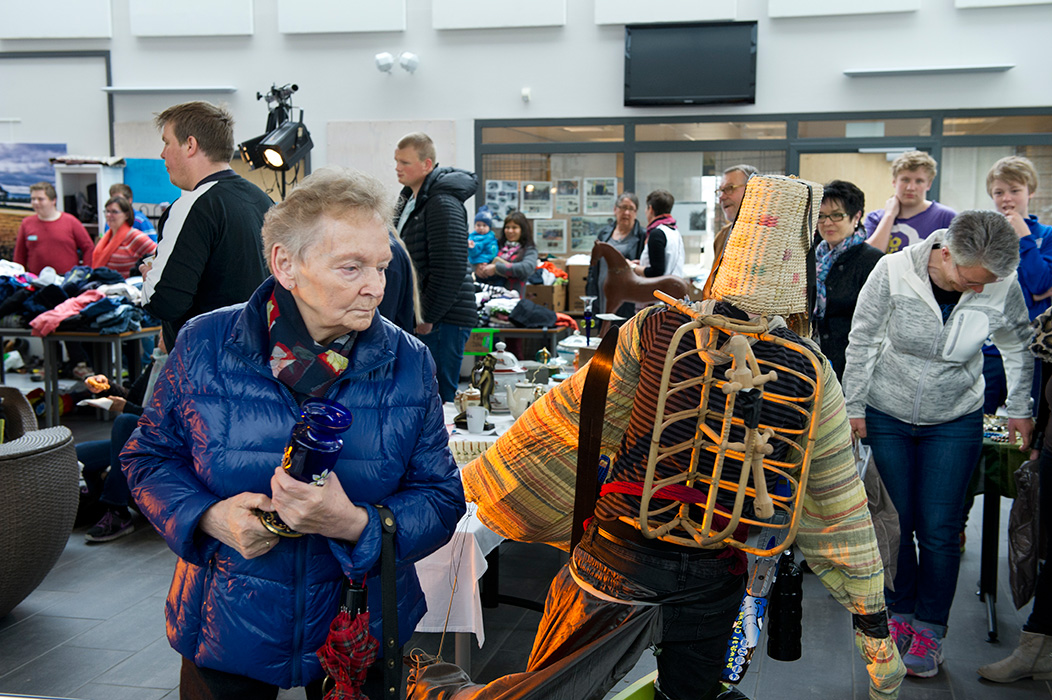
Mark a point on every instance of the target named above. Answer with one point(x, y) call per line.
point(197, 683)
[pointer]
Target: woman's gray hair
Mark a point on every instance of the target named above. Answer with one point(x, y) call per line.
point(329, 193)
point(983, 239)
point(630, 196)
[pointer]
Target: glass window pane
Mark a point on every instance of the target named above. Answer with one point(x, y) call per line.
point(585, 133)
point(710, 131)
point(963, 174)
point(574, 207)
point(692, 179)
point(1021, 124)
point(864, 128)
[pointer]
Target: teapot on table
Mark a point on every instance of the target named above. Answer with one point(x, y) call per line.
point(522, 395)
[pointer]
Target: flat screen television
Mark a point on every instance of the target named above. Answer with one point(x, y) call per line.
point(690, 63)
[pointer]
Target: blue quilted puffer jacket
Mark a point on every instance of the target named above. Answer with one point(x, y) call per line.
point(216, 426)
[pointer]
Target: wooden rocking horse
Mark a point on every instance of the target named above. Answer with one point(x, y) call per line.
point(623, 284)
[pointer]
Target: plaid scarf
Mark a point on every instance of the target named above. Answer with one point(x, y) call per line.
point(824, 259)
point(305, 367)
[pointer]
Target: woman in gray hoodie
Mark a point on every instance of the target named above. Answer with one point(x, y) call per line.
point(914, 387)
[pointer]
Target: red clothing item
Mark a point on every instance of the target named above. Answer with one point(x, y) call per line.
point(132, 245)
point(62, 244)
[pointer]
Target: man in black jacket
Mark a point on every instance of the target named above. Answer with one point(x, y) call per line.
point(209, 251)
point(433, 224)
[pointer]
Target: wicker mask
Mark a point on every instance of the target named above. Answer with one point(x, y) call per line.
point(764, 267)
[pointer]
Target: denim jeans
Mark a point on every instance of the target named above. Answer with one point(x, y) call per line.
point(926, 469)
point(446, 343)
point(98, 455)
point(699, 600)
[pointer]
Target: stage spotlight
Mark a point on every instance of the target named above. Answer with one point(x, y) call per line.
point(250, 152)
point(286, 146)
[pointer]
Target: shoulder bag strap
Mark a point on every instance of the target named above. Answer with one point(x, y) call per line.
point(389, 605)
point(590, 433)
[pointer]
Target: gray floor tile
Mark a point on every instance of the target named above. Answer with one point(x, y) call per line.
point(156, 666)
point(25, 642)
point(60, 671)
point(102, 691)
point(133, 629)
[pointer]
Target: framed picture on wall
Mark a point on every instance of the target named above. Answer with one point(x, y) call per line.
point(502, 198)
point(549, 235)
point(600, 195)
point(691, 217)
point(536, 199)
point(568, 196)
point(24, 164)
point(584, 230)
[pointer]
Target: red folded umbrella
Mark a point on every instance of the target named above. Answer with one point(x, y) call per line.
point(347, 654)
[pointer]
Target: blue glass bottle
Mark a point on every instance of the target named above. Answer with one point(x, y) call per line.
point(312, 450)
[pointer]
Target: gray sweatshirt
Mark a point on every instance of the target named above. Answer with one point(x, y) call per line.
point(903, 360)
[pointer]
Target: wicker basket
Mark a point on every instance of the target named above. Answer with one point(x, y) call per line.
point(38, 500)
point(764, 264)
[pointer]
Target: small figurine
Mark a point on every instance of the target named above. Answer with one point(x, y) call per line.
point(482, 378)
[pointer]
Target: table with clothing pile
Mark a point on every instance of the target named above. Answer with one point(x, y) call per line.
point(92, 306)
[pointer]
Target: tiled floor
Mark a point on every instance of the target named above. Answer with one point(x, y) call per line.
point(95, 628)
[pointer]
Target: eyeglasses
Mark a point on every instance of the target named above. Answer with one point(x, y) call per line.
point(113, 212)
point(970, 284)
point(625, 207)
point(727, 190)
point(836, 216)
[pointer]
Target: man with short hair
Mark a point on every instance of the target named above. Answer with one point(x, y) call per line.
point(908, 216)
point(142, 223)
point(209, 253)
point(433, 224)
point(51, 238)
point(729, 195)
point(663, 253)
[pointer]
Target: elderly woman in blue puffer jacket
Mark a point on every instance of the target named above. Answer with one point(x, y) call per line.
point(247, 609)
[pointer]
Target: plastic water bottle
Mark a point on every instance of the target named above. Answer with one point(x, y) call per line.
point(783, 632)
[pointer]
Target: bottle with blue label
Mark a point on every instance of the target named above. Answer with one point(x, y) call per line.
point(312, 450)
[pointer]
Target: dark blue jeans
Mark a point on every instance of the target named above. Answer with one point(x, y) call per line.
point(446, 343)
point(926, 469)
point(98, 455)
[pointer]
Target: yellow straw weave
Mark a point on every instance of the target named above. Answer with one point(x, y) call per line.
point(764, 268)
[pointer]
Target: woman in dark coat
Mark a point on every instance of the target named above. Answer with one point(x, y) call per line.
point(843, 261)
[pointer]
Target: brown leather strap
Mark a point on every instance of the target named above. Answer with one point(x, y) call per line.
point(590, 433)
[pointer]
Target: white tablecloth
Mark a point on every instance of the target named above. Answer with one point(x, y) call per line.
point(458, 565)
point(454, 570)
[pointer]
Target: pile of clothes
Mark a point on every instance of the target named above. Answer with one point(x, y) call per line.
point(86, 299)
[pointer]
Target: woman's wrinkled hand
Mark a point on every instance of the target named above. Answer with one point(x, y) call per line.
point(235, 522)
point(312, 509)
point(858, 428)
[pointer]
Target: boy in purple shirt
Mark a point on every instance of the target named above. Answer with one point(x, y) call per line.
point(908, 216)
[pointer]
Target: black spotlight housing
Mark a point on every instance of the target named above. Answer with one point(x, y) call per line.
point(285, 146)
point(251, 153)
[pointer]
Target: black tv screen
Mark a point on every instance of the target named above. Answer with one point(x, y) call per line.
point(690, 63)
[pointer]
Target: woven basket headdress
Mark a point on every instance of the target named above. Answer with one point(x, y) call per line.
point(764, 267)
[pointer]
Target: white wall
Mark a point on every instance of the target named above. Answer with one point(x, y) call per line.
point(574, 70)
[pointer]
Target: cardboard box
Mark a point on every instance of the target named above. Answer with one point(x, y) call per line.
point(480, 342)
point(549, 296)
point(575, 289)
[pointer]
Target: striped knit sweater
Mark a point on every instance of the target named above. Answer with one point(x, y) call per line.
point(524, 484)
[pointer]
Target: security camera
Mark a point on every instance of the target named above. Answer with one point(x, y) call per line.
point(384, 62)
point(409, 61)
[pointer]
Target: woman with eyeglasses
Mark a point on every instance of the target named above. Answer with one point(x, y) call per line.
point(121, 247)
point(628, 237)
point(914, 391)
point(843, 262)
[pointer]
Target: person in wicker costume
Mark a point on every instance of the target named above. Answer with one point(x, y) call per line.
point(524, 484)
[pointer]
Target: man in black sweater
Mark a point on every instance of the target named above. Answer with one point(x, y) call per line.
point(433, 224)
point(209, 250)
